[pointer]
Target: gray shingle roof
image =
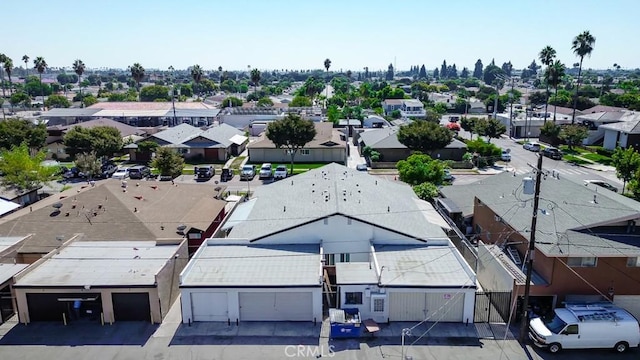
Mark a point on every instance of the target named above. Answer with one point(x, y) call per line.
point(178, 134)
point(387, 138)
point(336, 189)
point(221, 134)
point(71, 112)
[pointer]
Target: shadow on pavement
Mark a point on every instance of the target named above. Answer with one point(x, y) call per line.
point(78, 334)
point(247, 333)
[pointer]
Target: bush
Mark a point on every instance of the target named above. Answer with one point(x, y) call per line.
point(426, 191)
point(483, 148)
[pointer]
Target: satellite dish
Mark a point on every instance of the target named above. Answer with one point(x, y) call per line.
point(57, 205)
point(181, 227)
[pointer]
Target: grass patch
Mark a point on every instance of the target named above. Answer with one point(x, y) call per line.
point(575, 151)
point(235, 164)
point(66, 187)
point(574, 160)
point(187, 171)
point(601, 159)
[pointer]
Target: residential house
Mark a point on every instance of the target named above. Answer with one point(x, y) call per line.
point(602, 108)
point(622, 134)
point(327, 146)
point(354, 240)
point(391, 105)
point(114, 210)
point(409, 108)
point(18, 196)
point(106, 281)
point(594, 120)
point(385, 141)
point(585, 238)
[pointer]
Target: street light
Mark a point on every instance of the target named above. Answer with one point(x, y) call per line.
point(173, 94)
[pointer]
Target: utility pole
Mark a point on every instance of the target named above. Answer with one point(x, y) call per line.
point(511, 109)
point(532, 247)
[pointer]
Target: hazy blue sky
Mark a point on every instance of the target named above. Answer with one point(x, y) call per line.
point(293, 34)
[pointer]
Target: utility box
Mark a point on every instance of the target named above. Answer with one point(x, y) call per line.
point(345, 323)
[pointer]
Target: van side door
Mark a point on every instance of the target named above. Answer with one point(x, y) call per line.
point(571, 337)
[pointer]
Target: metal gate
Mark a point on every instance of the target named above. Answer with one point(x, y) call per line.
point(492, 307)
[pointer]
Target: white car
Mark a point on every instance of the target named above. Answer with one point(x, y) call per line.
point(265, 171)
point(121, 174)
point(281, 172)
point(531, 146)
point(505, 156)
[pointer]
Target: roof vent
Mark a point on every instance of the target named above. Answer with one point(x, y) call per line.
point(388, 208)
point(595, 199)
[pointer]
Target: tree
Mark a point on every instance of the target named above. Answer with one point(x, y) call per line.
point(20, 98)
point(491, 128)
point(546, 56)
point(424, 136)
point(436, 74)
point(57, 101)
point(444, 70)
point(426, 191)
point(104, 140)
point(327, 65)
point(40, 65)
point(89, 164)
point(168, 162)
point(3, 58)
point(8, 68)
point(553, 76)
point(14, 132)
point(196, 75)
point(89, 100)
point(627, 163)
point(507, 68)
point(464, 73)
point(420, 168)
point(23, 171)
point(137, 73)
point(300, 101)
point(550, 129)
point(231, 101)
point(423, 72)
point(25, 59)
point(255, 79)
point(468, 124)
point(265, 102)
point(333, 114)
point(78, 68)
point(390, 73)
point(155, 93)
point(291, 133)
point(582, 46)
point(573, 134)
point(491, 73)
point(537, 98)
point(477, 70)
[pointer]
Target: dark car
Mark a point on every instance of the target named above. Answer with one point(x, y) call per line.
point(139, 172)
point(107, 169)
point(226, 174)
point(73, 173)
point(552, 153)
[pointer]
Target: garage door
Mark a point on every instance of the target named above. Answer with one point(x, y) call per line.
point(131, 307)
point(447, 307)
point(276, 306)
point(49, 307)
point(209, 306)
point(631, 303)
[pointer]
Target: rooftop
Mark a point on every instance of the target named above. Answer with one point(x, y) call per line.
point(326, 136)
point(355, 273)
point(125, 130)
point(219, 264)
point(7, 242)
point(101, 263)
point(7, 271)
point(150, 106)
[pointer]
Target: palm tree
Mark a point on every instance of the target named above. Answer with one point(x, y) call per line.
point(3, 58)
point(78, 67)
point(137, 73)
point(553, 76)
point(327, 65)
point(219, 76)
point(196, 74)
point(546, 57)
point(582, 46)
point(255, 79)
point(40, 65)
point(8, 68)
point(25, 59)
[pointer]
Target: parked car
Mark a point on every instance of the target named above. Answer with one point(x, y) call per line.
point(73, 173)
point(531, 146)
point(265, 171)
point(553, 153)
point(121, 174)
point(453, 126)
point(107, 170)
point(281, 172)
point(248, 172)
point(139, 172)
point(361, 167)
point(447, 175)
point(226, 174)
point(506, 155)
point(204, 173)
point(601, 183)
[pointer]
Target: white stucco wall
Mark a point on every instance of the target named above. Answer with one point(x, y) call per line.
point(610, 139)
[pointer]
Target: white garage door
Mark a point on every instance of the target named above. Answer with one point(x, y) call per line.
point(276, 306)
point(209, 306)
point(631, 303)
point(447, 307)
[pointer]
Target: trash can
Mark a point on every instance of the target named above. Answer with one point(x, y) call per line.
point(345, 323)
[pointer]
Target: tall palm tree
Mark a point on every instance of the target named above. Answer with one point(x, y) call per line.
point(3, 58)
point(40, 65)
point(137, 73)
point(582, 46)
point(255, 79)
point(196, 74)
point(8, 68)
point(546, 57)
point(219, 76)
point(25, 59)
point(78, 67)
point(327, 65)
point(553, 76)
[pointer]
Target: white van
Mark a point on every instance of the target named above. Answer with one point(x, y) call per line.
point(586, 327)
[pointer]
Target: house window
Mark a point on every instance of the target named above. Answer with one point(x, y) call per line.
point(195, 236)
point(378, 305)
point(582, 261)
point(353, 298)
point(330, 259)
point(633, 261)
point(345, 257)
point(304, 152)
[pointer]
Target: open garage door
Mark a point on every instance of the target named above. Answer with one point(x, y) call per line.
point(209, 306)
point(276, 306)
point(416, 306)
point(131, 307)
point(49, 307)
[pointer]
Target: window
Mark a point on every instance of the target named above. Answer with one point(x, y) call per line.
point(582, 261)
point(345, 257)
point(378, 305)
point(571, 330)
point(633, 261)
point(329, 259)
point(353, 298)
point(195, 236)
point(304, 152)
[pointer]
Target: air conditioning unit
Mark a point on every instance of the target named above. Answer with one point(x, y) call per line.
point(497, 218)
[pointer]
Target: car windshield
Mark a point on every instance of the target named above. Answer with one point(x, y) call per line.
point(281, 168)
point(247, 168)
point(555, 325)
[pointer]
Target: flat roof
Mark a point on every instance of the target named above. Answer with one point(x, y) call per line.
point(355, 273)
point(423, 266)
point(101, 263)
point(8, 241)
point(243, 265)
point(7, 271)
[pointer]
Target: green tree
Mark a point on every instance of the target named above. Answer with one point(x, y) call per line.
point(8, 68)
point(104, 140)
point(546, 56)
point(3, 58)
point(627, 164)
point(196, 75)
point(291, 133)
point(40, 65)
point(89, 100)
point(168, 162)
point(265, 102)
point(491, 72)
point(20, 98)
point(78, 68)
point(491, 128)
point(57, 101)
point(573, 134)
point(231, 101)
point(14, 132)
point(477, 69)
point(255, 79)
point(155, 93)
point(89, 164)
point(23, 171)
point(333, 114)
point(420, 168)
point(137, 73)
point(550, 129)
point(582, 46)
point(300, 101)
point(468, 124)
point(424, 136)
point(426, 191)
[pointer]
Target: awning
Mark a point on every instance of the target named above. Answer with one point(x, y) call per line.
point(431, 214)
point(240, 214)
point(7, 206)
point(238, 139)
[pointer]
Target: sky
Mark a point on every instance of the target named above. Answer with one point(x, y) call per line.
point(301, 34)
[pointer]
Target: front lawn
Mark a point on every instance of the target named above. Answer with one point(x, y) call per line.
point(573, 159)
point(235, 164)
point(601, 159)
